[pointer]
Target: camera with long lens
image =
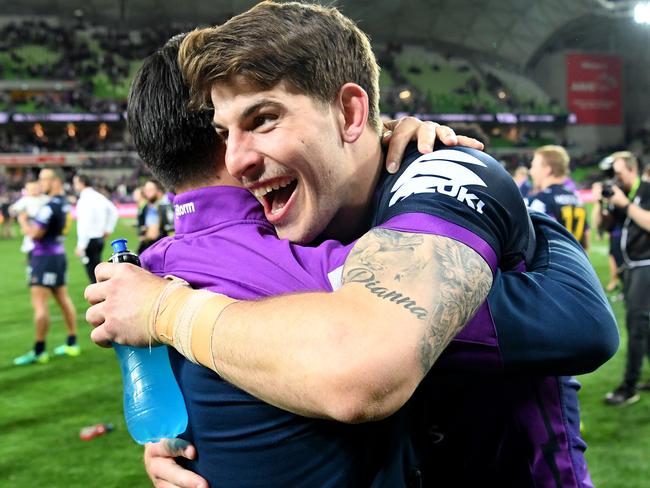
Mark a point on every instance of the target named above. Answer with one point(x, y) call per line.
point(607, 169)
point(608, 189)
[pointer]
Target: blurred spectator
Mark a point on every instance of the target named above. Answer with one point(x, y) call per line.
point(96, 219)
point(521, 179)
point(156, 215)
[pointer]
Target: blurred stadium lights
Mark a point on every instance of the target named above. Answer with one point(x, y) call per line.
point(103, 131)
point(642, 13)
point(405, 94)
point(38, 131)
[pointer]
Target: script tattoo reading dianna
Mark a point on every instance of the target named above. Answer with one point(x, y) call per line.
point(440, 281)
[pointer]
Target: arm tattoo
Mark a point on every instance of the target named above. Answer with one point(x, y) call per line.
point(393, 266)
point(463, 280)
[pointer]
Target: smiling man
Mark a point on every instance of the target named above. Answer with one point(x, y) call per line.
point(442, 229)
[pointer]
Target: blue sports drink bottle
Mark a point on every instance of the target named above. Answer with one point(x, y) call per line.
point(154, 407)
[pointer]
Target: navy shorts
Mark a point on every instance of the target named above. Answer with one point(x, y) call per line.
point(48, 271)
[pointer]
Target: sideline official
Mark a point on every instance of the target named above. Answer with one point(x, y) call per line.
point(96, 219)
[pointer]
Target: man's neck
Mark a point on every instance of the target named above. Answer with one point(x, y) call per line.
point(554, 180)
point(352, 219)
point(221, 178)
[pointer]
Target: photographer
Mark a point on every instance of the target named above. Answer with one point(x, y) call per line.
point(630, 199)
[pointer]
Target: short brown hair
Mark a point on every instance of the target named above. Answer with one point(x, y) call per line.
point(315, 49)
point(556, 158)
point(630, 159)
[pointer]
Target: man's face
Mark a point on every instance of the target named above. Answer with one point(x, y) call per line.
point(77, 185)
point(45, 178)
point(623, 174)
point(287, 149)
point(151, 192)
point(538, 170)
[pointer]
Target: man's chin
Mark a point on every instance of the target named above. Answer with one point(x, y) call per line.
point(296, 233)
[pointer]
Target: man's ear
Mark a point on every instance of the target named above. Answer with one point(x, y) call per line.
point(353, 104)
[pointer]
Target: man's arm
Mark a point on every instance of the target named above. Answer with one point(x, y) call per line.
point(404, 297)
point(640, 216)
point(84, 214)
point(112, 216)
point(31, 230)
point(353, 355)
point(555, 318)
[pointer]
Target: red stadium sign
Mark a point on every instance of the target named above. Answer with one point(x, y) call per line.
point(594, 88)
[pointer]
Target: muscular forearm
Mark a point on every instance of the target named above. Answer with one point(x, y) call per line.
point(320, 354)
point(358, 353)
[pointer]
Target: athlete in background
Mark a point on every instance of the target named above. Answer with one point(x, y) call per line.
point(549, 170)
point(48, 269)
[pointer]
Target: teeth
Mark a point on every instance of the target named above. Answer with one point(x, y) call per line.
point(263, 190)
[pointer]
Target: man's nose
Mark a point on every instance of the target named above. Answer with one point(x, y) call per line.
point(242, 159)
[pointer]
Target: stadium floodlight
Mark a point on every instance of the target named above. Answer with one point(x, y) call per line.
point(642, 13)
point(405, 94)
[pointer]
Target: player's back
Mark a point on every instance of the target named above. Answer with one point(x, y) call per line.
point(563, 205)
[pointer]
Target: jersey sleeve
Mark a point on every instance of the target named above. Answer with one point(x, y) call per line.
point(553, 319)
point(462, 194)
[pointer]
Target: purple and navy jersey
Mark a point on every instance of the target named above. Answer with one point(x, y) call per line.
point(563, 205)
point(459, 193)
point(54, 217)
point(495, 433)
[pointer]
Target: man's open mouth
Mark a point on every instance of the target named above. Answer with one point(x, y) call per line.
point(275, 194)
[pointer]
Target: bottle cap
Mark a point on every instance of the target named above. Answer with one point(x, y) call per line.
point(119, 245)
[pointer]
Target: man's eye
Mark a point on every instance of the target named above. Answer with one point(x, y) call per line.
point(261, 120)
point(223, 135)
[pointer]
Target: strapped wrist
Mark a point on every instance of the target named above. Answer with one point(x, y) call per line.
point(184, 319)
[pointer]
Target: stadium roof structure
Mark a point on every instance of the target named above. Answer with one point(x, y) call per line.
point(511, 30)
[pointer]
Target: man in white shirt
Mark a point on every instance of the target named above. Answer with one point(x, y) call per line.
point(30, 203)
point(96, 219)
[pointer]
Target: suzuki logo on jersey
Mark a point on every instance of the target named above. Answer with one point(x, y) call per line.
point(439, 172)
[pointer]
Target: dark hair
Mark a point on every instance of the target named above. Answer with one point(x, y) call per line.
point(315, 49)
point(83, 179)
point(178, 146)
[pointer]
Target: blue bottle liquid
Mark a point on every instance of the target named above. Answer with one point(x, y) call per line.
point(154, 407)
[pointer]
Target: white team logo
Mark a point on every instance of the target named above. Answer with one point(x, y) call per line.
point(184, 209)
point(439, 172)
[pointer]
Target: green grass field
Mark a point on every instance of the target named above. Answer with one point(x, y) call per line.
point(44, 406)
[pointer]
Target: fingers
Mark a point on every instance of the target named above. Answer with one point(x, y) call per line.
point(178, 448)
point(164, 471)
point(104, 271)
point(404, 130)
point(470, 142)
point(100, 337)
point(445, 134)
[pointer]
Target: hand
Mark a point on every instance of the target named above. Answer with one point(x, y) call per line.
point(122, 300)
point(618, 199)
point(79, 252)
point(597, 191)
point(164, 471)
point(398, 133)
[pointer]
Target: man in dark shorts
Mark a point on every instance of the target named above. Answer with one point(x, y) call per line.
point(47, 269)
